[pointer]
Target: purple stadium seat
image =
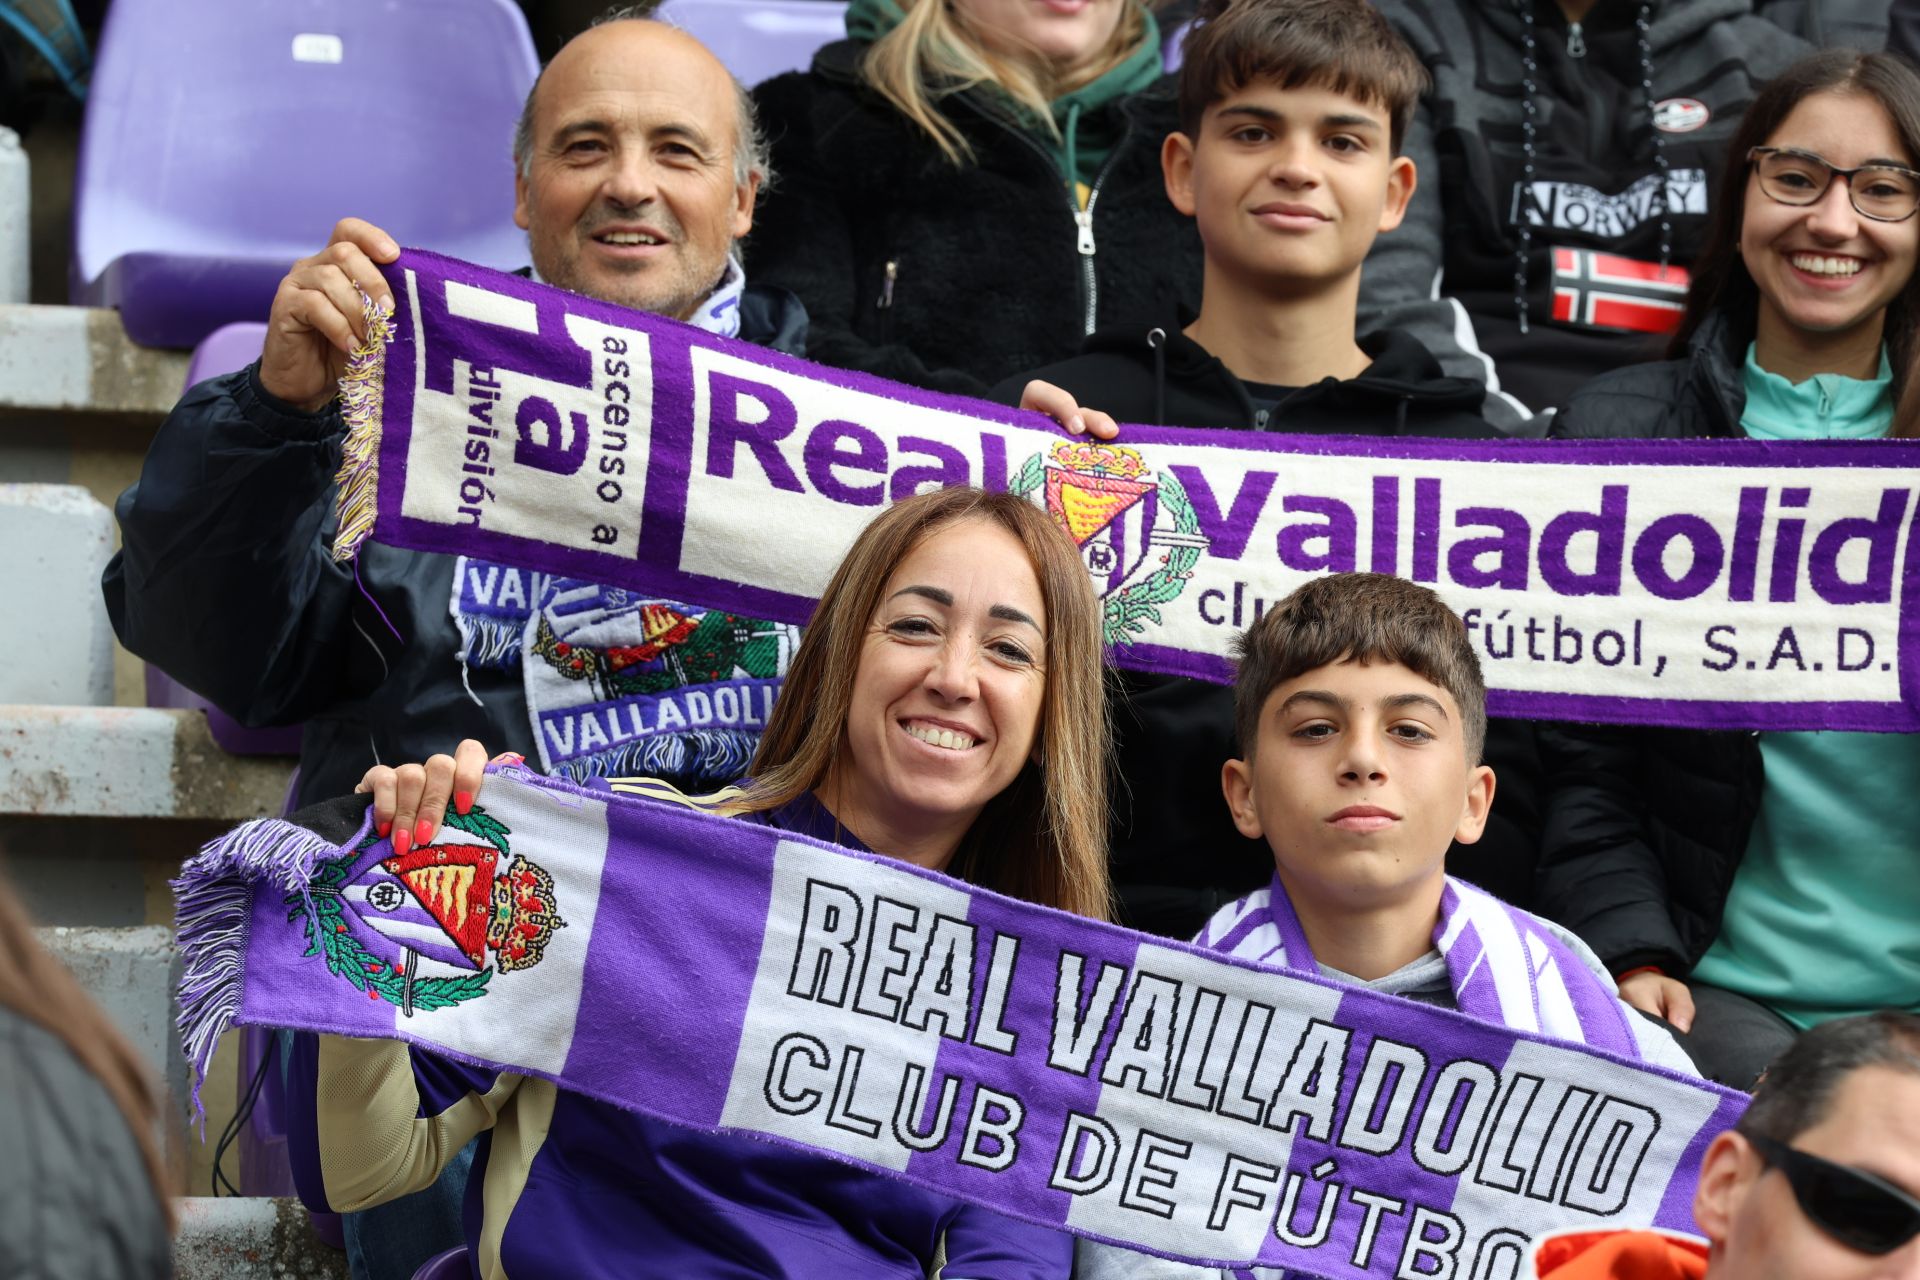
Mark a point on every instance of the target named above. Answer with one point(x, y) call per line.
point(1170, 47)
point(758, 39)
point(451, 1265)
point(224, 138)
point(234, 347)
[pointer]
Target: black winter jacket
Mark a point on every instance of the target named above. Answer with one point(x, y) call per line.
point(1645, 827)
point(225, 581)
point(1605, 147)
point(1176, 854)
point(952, 278)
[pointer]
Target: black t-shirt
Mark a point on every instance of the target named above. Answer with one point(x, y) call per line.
point(1267, 398)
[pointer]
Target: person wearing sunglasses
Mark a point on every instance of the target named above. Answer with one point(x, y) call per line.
point(1747, 887)
point(1820, 1179)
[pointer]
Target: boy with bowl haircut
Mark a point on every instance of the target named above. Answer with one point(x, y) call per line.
point(1292, 115)
point(1360, 709)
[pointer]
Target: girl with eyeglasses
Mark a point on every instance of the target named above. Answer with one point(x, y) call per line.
point(1746, 887)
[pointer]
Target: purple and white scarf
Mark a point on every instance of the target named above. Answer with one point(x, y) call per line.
point(724, 975)
point(610, 688)
point(1702, 584)
point(1504, 965)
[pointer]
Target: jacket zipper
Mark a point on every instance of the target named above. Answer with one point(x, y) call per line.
point(1082, 218)
point(1576, 41)
point(885, 304)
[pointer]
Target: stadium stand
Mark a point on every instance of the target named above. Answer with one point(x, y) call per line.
point(224, 138)
point(758, 39)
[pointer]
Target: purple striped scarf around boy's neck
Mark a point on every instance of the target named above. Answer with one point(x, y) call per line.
point(1504, 965)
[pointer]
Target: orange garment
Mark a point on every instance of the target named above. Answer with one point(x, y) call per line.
point(1619, 1255)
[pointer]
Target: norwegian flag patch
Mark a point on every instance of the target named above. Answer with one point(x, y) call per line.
point(1606, 291)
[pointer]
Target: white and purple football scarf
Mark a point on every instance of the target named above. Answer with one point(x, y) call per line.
point(623, 685)
point(724, 975)
point(1503, 964)
point(1710, 584)
point(620, 683)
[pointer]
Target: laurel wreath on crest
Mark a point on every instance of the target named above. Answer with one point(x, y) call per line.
point(1127, 611)
point(328, 935)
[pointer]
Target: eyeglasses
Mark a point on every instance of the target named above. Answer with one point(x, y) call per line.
point(1853, 1206)
point(1883, 192)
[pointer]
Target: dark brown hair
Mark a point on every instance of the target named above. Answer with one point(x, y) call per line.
point(1364, 618)
point(1798, 1088)
point(1043, 839)
point(1720, 279)
point(1345, 46)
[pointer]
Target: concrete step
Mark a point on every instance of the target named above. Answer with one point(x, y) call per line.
point(130, 762)
point(80, 360)
point(129, 971)
point(249, 1238)
point(57, 645)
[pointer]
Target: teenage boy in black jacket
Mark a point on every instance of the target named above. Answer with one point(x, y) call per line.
point(1289, 161)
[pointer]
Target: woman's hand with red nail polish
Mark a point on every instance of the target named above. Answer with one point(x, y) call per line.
point(413, 797)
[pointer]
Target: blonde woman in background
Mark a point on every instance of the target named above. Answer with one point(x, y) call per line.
point(967, 188)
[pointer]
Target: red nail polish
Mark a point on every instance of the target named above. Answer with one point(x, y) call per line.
point(462, 801)
point(422, 831)
point(386, 825)
point(402, 841)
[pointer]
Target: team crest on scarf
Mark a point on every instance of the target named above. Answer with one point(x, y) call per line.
point(1136, 531)
point(426, 929)
point(677, 646)
point(622, 684)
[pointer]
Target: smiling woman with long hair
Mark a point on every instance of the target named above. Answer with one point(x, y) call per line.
point(945, 709)
point(1746, 887)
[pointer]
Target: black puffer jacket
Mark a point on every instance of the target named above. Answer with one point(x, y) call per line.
point(1176, 854)
point(1645, 827)
point(225, 581)
point(1618, 118)
point(952, 278)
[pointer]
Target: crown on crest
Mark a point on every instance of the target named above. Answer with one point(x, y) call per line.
point(1100, 459)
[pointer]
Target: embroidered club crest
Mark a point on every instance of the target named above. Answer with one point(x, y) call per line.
point(426, 929)
point(676, 646)
point(1136, 531)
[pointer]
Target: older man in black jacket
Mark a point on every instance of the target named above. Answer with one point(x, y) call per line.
point(639, 163)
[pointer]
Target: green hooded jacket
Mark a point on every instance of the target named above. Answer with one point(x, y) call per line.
point(1082, 145)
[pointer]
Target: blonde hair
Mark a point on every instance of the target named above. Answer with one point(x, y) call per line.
point(1043, 839)
point(934, 53)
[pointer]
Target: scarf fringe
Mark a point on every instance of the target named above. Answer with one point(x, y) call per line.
point(490, 642)
point(694, 758)
point(213, 900)
point(361, 401)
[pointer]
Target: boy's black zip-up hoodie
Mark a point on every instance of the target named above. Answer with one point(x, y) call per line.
point(1176, 854)
point(1160, 377)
